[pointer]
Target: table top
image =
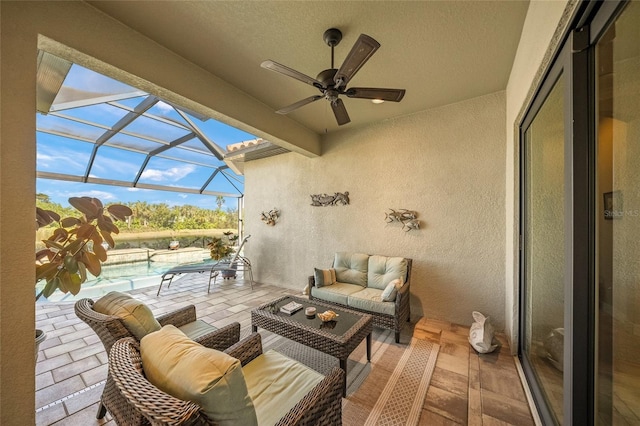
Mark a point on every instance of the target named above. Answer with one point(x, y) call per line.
point(344, 323)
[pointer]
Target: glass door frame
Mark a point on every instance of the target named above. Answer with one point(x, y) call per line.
point(577, 248)
point(576, 61)
point(551, 80)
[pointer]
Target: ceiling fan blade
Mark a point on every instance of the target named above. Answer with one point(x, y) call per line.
point(360, 53)
point(274, 66)
point(340, 112)
point(393, 95)
point(288, 109)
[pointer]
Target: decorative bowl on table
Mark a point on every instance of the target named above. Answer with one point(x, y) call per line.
point(328, 316)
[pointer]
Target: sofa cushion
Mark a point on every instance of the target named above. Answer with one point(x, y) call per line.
point(324, 277)
point(136, 316)
point(337, 293)
point(351, 268)
point(370, 299)
point(189, 371)
point(383, 269)
point(390, 291)
point(276, 384)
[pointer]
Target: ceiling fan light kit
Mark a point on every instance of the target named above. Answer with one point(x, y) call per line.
point(333, 82)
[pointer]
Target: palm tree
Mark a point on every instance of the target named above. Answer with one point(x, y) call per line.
point(219, 201)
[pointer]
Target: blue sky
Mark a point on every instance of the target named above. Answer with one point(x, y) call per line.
point(64, 147)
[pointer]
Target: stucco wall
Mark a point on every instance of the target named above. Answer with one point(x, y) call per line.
point(447, 164)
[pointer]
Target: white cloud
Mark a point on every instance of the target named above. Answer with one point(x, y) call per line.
point(47, 158)
point(172, 174)
point(105, 166)
point(182, 195)
point(101, 195)
point(164, 106)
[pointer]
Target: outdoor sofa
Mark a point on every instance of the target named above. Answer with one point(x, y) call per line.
point(373, 284)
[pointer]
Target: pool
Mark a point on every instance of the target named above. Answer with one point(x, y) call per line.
point(120, 277)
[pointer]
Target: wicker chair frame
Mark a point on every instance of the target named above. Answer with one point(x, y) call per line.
point(142, 403)
point(110, 329)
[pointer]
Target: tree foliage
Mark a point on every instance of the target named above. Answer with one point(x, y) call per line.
point(160, 216)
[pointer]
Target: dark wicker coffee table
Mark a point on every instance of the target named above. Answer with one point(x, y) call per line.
point(336, 338)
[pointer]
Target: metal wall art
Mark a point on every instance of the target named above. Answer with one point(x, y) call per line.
point(270, 217)
point(330, 200)
point(408, 218)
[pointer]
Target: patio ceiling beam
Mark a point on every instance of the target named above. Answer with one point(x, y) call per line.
point(215, 149)
point(94, 101)
point(123, 132)
point(174, 143)
point(80, 120)
point(121, 124)
point(229, 180)
point(216, 171)
point(156, 151)
point(107, 128)
point(112, 182)
point(164, 120)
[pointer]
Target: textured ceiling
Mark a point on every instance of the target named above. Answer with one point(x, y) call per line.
point(441, 52)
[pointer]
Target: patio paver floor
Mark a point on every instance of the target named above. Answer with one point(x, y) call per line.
point(466, 388)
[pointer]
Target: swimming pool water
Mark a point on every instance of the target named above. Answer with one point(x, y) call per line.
point(122, 277)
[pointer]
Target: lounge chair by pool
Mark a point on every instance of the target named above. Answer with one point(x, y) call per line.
point(242, 264)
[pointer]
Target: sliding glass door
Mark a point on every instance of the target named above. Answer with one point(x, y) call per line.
point(580, 224)
point(618, 223)
point(544, 248)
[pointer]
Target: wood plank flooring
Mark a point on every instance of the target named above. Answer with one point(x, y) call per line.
point(468, 388)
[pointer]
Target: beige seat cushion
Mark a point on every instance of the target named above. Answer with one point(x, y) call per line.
point(197, 329)
point(276, 383)
point(137, 316)
point(370, 300)
point(336, 293)
point(187, 370)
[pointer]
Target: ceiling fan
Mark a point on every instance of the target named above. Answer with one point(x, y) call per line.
point(333, 82)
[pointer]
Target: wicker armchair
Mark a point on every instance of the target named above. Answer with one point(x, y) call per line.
point(142, 403)
point(111, 328)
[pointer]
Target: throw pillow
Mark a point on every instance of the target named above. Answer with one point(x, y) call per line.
point(390, 291)
point(324, 277)
point(137, 316)
point(189, 371)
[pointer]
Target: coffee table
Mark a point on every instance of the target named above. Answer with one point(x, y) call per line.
point(336, 338)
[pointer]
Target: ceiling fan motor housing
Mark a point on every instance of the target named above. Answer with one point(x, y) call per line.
point(326, 77)
point(332, 36)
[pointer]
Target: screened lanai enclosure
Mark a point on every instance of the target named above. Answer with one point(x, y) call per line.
point(97, 136)
point(94, 129)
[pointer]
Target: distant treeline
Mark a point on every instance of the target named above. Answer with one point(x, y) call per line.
point(161, 216)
